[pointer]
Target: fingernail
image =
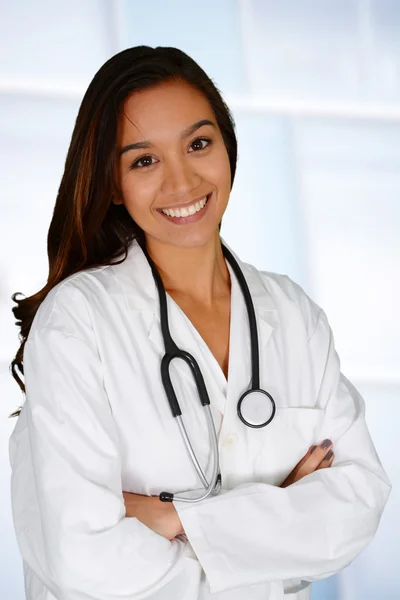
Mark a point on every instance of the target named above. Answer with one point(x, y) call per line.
point(312, 449)
point(329, 455)
point(326, 443)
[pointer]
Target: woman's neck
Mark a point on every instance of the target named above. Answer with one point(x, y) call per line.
point(198, 273)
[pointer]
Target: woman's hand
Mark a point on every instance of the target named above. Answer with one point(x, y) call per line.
point(161, 517)
point(317, 457)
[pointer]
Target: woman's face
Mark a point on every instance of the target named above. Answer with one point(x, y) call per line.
point(179, 163)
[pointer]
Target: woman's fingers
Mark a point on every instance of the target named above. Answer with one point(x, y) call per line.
point(317, 457)
point(314, 457)
point(305, 457)
point(327, 461)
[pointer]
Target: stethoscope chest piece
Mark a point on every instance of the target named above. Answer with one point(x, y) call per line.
point(256, 408)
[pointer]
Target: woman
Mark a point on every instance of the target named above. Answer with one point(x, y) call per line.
point(149, 170)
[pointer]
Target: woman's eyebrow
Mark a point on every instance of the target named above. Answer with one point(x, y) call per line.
point(185, 133)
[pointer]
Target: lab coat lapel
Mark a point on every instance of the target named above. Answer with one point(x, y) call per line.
point(189, 339)
point(143, 301)
point(186, 338)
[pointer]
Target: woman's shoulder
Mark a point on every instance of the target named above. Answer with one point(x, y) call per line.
point(281, 293)
point(67, 305)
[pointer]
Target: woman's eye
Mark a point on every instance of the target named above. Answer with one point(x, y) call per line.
point(198, 142)
point(146, 160)
point(136, 164)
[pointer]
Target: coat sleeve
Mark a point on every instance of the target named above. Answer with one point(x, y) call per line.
point(258, 532)
point(68, 508)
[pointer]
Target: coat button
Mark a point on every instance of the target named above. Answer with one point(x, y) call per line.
point(231, 440)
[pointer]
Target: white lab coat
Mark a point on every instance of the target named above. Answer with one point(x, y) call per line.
point(96, 422)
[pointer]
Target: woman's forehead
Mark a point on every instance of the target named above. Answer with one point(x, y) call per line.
point(164, 110)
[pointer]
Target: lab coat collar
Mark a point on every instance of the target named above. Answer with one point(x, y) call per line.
point(136, 276)
point(141, 296)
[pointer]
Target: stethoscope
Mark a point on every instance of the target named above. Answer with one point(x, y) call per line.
point(252, 408)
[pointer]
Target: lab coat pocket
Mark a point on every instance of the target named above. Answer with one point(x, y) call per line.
point(284, 442)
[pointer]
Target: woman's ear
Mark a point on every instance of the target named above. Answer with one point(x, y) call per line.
point(117, 199)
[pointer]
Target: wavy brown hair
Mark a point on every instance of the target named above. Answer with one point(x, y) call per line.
point(87, 229)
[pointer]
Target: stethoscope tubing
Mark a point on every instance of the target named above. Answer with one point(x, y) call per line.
point(214, 486)
point(255, 358)
point(172, 351)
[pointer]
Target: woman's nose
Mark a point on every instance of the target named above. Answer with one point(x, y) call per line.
point(179, 177)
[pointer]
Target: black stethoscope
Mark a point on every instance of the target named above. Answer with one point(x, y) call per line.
point(256, 407)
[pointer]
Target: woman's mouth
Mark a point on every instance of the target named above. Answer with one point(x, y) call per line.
point(189, 214)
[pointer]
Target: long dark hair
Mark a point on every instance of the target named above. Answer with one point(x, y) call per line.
point(87, 229)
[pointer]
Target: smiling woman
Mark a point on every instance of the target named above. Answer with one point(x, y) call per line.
point(139, 275)
point(183, 179)
point(142, 98)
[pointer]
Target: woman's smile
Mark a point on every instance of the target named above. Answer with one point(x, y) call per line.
point(185, 215)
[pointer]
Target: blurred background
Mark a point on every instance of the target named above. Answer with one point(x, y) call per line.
point(314, 87)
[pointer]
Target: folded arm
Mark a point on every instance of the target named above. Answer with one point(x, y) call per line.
point(312, 529)
point(68, 506)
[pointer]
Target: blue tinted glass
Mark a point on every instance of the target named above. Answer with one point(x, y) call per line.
point(304, 50)
point(209, 31)
point(263, 214)
point(61, 44)
point(326, 589)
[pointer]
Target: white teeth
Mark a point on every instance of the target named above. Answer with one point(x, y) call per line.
point(185, 212)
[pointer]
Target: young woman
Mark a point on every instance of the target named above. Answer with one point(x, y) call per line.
point(108, 500)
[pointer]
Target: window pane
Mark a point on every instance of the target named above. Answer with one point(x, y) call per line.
point(350, 187)
point(55, 42)
point(208, 31)
point(306, 49)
